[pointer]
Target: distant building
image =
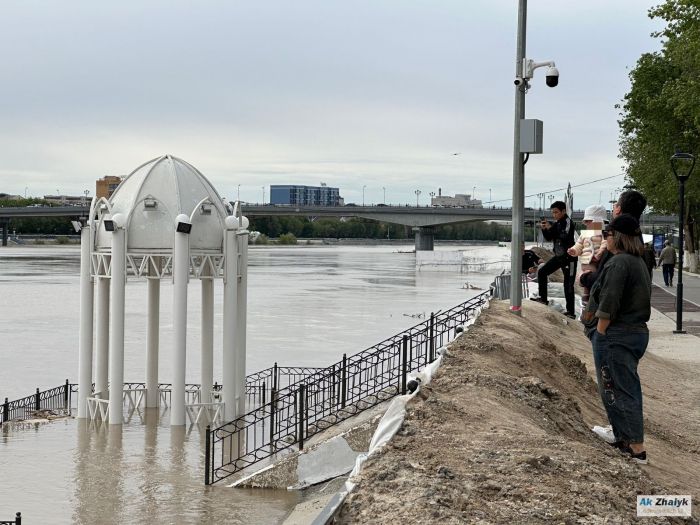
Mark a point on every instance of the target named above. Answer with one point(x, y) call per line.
point(460, 200)
point(66, 200)
point(305, 195)
point(105, 186)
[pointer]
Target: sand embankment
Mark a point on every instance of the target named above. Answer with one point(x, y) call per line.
point(502, 434)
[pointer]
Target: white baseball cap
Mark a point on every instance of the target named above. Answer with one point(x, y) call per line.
point(595, 213)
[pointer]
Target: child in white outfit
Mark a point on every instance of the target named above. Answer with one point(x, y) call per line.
point(590, 244)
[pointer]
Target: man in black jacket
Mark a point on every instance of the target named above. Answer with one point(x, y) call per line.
point(561, 233)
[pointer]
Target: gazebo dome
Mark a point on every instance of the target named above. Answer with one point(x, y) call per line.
point(151, 198)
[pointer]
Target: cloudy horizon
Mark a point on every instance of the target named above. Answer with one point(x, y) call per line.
point(371, 94)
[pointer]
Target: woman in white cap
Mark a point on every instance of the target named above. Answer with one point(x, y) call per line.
point(590, 244)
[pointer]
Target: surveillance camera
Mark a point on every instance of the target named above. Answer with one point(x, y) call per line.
point(109, 225)
point(552, 77)
point(518, 81)
point(183, 224)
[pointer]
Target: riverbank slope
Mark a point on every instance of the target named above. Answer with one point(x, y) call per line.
point(502, 434)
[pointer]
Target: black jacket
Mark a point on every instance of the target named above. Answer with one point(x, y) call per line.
point(562, 235)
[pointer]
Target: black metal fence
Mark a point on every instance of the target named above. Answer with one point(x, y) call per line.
point(330, 395)
point(258, 387)
point(16, 521)
point(51, 399)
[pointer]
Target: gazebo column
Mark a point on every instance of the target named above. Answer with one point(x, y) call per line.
point(102, 337)
point(230, 389)
point(116, 335)
point(241, 318)
point(86, 314)
point(207, 357)
point(153, 337)
point(181, 270)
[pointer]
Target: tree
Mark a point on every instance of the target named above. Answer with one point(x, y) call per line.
point(661, 113)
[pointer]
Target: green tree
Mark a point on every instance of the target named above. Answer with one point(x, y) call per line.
point(661, 113)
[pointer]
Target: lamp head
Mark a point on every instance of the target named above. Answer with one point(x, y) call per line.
point(682, 165)
point(183, 224)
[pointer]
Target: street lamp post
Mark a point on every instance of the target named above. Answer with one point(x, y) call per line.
point(417, 192)
point(263, 194)
point(238, 195)
point(432, 195)
point(682, 165)
point(490, 199)
point(384, 190)
point(363, 194)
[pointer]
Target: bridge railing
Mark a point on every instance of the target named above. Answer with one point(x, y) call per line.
point(330, 395)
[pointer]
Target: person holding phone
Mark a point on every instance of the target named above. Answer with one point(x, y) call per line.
point(561, 233)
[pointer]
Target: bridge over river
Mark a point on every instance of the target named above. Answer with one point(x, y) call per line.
point(423, 219)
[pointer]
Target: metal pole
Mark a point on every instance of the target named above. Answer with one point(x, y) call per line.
point(300, 416)
point(102, 337)
point(181, 271)
point(404, 363)
point(37, 400)
point(344, 381)
point(86, 322)
point(679, 283)
point(518, 167)
point(116, 334)
point(152, 338)
point(207, 343)
point(207, 454)
point(230, 315)
point(6, 411)
point(432, 337)
point(241, 319)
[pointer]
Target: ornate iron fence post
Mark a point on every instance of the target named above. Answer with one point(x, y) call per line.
point(344, 382)
point(66, 393)
point(18, 518)
point(404, 364)
point(37, 401)
point(432, 337)
point(207, 455)
point(273, 409)
point(275, 371)
point(300, 416)
point(6, 411)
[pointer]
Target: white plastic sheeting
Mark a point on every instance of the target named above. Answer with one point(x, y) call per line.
point(388, 426)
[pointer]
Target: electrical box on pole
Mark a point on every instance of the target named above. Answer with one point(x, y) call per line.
point(530, 135)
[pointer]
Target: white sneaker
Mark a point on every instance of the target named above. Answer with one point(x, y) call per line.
point(604, 433)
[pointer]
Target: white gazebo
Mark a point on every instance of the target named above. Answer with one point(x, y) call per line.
point(165, 220)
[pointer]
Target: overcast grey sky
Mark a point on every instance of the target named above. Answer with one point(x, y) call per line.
point(375, 93)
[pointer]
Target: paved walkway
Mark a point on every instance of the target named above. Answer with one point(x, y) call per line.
point(664, 300)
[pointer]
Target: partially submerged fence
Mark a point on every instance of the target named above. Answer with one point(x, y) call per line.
point(52, 399)
point(258, 388)
point(330, 395)
point(16, 521)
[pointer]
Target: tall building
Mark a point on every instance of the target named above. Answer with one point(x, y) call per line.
point(305, 195)
point(105, 186)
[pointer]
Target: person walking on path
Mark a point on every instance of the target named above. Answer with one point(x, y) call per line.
point(561, 233)
point(621, 306)
point(667, 260)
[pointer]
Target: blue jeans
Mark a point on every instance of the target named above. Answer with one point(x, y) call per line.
point(616, 356)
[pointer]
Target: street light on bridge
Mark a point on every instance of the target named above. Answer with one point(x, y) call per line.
point(682, 165)
point(384, 190)
point(363, 194)
point(417, 192)
point(432, 195)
